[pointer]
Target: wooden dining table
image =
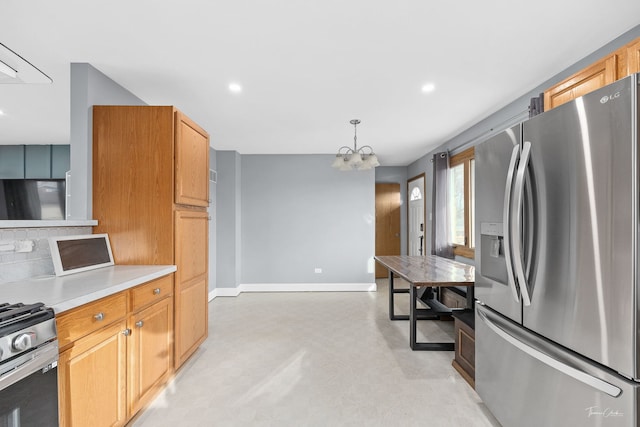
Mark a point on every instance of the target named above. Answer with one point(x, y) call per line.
point(426, 272)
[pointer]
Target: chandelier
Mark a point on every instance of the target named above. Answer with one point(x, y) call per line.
point(362, 158)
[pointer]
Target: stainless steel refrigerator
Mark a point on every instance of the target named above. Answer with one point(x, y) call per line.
point(557, 265)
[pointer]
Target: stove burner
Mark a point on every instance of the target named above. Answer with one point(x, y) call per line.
point(14, 317)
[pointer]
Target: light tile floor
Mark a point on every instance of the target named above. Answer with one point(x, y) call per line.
point(316, 359)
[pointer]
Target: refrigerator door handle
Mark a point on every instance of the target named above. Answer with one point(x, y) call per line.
point(558, 365)
point(516, 225)
point(506, 215)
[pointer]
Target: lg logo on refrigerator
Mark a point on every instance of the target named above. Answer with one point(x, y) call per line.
point(607, 98)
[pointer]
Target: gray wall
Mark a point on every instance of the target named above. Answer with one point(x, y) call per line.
point(228, 216)
point(298, 214)
point(89, 87)
point(512, 113)
point(397, 174)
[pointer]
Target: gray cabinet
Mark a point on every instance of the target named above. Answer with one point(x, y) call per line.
point(37, 161)
point(34, 161)
point(11, 161)
point(60, 161)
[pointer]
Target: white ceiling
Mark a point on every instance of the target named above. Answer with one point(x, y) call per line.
point(306, 67)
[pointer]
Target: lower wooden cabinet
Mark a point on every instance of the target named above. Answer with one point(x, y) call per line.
point(191, 330)
point(150, 352)
point(191, 293)
point(464, 360)
point(92, 379)
point(109, 372)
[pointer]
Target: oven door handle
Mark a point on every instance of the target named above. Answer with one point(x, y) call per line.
point(29, 363)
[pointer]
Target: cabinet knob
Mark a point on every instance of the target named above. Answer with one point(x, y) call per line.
point(139, 324)
point(126, 332)
point(99, 316)
point(156, 291)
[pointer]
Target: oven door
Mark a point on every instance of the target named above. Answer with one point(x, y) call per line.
point(29, 391)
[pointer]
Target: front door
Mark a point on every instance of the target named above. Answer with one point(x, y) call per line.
point(415, 194)
point(387, 223)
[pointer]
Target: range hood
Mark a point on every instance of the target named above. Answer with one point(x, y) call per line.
point(14, 69)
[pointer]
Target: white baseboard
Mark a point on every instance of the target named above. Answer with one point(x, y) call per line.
point(224, 292)
point(292, 287)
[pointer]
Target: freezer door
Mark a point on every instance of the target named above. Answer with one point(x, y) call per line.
point(583, 164)
point(526, 380)
point(493, 285)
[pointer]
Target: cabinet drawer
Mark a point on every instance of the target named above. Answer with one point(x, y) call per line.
point(151, 292)
point(90, 317)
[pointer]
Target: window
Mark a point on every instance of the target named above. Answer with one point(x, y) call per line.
point(415, 194)
point(461, 203)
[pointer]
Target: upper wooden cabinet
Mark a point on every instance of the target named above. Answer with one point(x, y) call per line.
point(192, 164)
point(619, 64)
point(633, 57)
point(591, 78)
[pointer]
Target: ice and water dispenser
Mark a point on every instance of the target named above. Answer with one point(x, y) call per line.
point(493, 264)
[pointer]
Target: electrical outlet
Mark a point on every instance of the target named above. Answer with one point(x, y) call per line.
point(317, 270)
point(23, 245)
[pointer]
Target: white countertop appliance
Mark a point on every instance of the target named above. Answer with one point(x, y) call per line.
point(557, 264)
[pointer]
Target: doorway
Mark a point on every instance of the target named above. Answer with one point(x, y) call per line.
point(388, 201)
point(415, 212)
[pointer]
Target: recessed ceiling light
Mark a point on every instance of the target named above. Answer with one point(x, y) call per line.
point(429, 87)
point(1, 113)
point(235, 88)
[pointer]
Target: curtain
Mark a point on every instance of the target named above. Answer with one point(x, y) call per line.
point(536, 106)
point(440, 225)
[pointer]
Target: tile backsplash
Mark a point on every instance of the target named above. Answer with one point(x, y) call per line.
point(16, 266)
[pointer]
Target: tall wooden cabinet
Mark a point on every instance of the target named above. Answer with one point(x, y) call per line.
point(150, 193)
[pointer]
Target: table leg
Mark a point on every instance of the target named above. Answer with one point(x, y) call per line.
point(391, 292)
point(413, 326)
point(413, 323)
point(470, 296)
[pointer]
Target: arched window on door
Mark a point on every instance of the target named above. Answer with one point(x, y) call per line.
point(416, 194)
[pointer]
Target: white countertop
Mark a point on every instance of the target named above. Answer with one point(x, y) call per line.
point(67, 292)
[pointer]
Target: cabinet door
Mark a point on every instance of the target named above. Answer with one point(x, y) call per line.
point(150, 352)
point(37, 161)
point(192, 163)
point(191, 291)
point(191, 319)
point(92, 380)
point(633, 57)
point(591, 78)
point(60, 161)
point(11, 161)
